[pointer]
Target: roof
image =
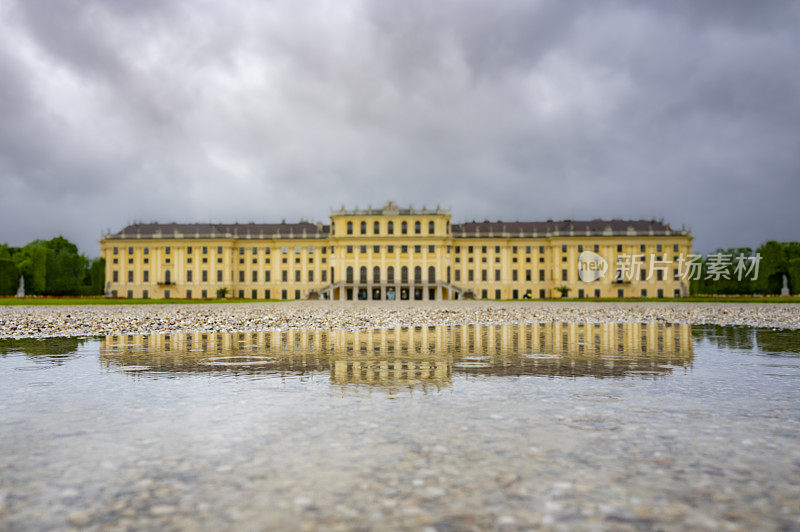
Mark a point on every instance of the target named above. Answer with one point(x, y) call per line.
point(486, 228)
point(595, 227)
point(235, 230)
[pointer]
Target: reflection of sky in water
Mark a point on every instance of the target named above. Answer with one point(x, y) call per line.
point(460, 426)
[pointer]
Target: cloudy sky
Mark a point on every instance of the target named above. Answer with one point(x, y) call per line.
point(158, 110)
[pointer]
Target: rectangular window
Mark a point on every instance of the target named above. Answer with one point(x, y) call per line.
point(205, 250)
point(674, 248)
point(205, 276)
point(146, 275)
point(484, 294)
point(349, 249)
point(255, 276)
point(458, 275)
point(297, 294)
point(563, 275)
point(204, 293)
point(431, 249)
point(469, 249)
point(219, 276)
point(267, 294)
point(376, 249)
point(417, 249)
point(130, 251)
point(563, 248)
point(471, 275)
point(297, 276)
point(116, 251)
point(403, 249)
point(497, 294)
point(363, 249)
point(284, 277)
point(241, 294)
point(390, 249)
point(528, 275)
point(267, 276)
point(323, 275)
point(254, 294)
point(644, 292)
point(115, 276)
point(658, 248)
point(130, 277)
point(188, 294)
point(168, 249)
point(283, 294)
point(484, 275)
point(188, 276)
point(580, 248)
point(541, 275)
point(241, 276)
point(219, 250)
point(497, 275)
point(310, 276)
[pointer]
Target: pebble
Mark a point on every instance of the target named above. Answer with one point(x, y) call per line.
point(76, 320)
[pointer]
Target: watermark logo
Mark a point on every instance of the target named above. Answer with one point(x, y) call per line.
point(591, 267)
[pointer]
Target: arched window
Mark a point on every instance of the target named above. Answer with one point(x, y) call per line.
point(417, 274)
point(376, 274)
point(349, 274)
point(404, 228)
point(362, 274)
point(390, 273)
point(404, 274)
point(376, 228)
point(431, 274)
point(363, 228)
point(390, 228)
point(431, 227)
point(349, 228)
point(417, 228)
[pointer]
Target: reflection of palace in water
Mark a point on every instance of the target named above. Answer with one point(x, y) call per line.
point(413, 356)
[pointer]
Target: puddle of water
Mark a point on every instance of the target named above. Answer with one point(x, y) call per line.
point(440, 427)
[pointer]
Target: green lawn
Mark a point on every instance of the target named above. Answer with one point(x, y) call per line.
point(7, 301)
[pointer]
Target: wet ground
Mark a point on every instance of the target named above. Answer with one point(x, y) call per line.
point(562, 426)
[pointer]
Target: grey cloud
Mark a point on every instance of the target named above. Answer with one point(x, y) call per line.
point(120, 111)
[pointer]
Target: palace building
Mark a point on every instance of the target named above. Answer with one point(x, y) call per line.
point(396, 253)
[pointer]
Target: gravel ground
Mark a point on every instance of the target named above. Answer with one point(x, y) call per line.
point(77, 320)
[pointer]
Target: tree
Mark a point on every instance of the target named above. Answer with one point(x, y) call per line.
point(9, 277)
point(221, 293)
point(563, 290)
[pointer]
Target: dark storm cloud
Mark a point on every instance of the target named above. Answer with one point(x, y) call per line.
point(198, 111)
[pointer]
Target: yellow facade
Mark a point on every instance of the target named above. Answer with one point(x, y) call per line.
point(394, 254)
